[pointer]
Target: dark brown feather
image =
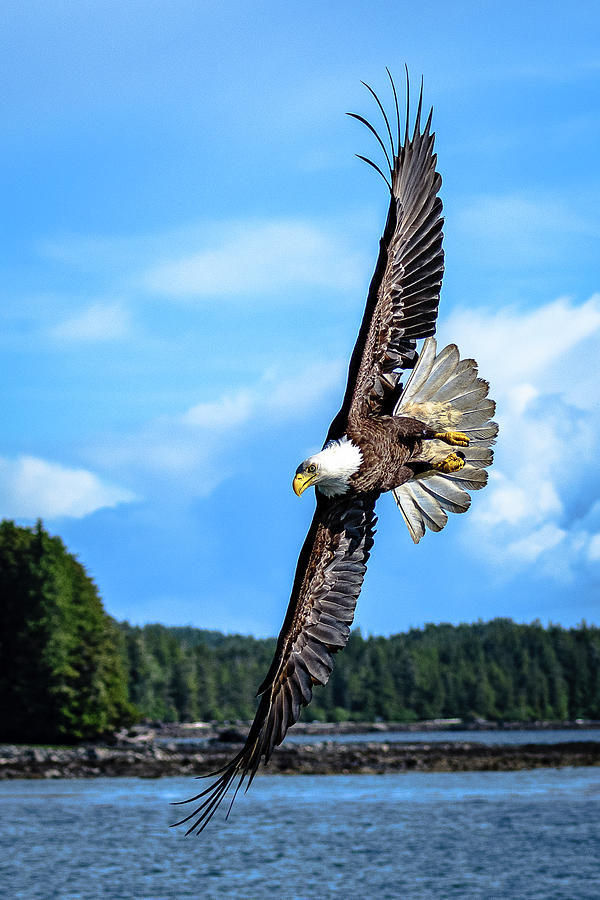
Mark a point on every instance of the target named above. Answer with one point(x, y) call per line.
point(404, 293)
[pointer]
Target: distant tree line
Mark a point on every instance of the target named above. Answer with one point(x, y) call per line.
point(69, 672)
point(496, 670)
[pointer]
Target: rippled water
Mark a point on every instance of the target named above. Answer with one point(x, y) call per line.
point(493, 737)
point(520, 835)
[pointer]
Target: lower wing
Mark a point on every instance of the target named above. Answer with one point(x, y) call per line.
point(328, 580)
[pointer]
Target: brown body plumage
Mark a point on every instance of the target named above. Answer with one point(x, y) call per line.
point(388, 445)
point(384, 438)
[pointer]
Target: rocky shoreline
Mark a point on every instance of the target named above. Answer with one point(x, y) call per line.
point(152, 759)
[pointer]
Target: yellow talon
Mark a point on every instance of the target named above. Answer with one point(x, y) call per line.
point(452, 463)
point(455, 438)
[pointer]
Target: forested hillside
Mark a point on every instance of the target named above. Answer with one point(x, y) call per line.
point(68, 671)
point(495, 670)
point(62, 674)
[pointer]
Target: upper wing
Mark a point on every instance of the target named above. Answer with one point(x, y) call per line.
point(329, 576)
point(404, 293)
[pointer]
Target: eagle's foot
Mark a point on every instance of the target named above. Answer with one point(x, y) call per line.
point(454, 438)
point(452, 463)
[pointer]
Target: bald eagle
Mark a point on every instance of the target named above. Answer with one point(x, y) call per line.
point(428, 442)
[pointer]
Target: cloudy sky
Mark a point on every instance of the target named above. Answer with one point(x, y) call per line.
point(185, 255)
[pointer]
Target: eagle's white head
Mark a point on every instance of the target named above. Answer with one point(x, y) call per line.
point(329, 470)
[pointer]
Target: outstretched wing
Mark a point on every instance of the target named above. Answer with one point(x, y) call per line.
point(329, 576)
point(404, 293)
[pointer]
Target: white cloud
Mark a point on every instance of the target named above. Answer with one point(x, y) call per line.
point(238, 258)
point(272, 397)
point(200, 447)
point(594, 548)
point(542, 367)
point(517, 347)
point(529, 548)
point(99, 322)
point(223, 414)
point(33, 488)
point(259, 257)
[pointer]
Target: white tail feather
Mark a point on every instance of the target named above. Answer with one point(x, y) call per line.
point(446, 393)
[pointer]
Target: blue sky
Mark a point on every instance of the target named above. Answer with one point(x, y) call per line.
point(186, 252)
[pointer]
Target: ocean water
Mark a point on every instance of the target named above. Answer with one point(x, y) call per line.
point(492, 737)
point(519, 835)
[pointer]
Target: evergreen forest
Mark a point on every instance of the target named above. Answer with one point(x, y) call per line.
point(68, 671)
point(496, 670)
point(62, 670)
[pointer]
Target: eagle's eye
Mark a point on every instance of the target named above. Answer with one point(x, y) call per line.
point(312, 468)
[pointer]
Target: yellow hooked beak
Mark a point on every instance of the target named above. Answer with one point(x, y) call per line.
point(302, 480)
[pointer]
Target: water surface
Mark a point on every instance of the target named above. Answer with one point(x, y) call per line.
point(493, 737)
point(523, 835)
